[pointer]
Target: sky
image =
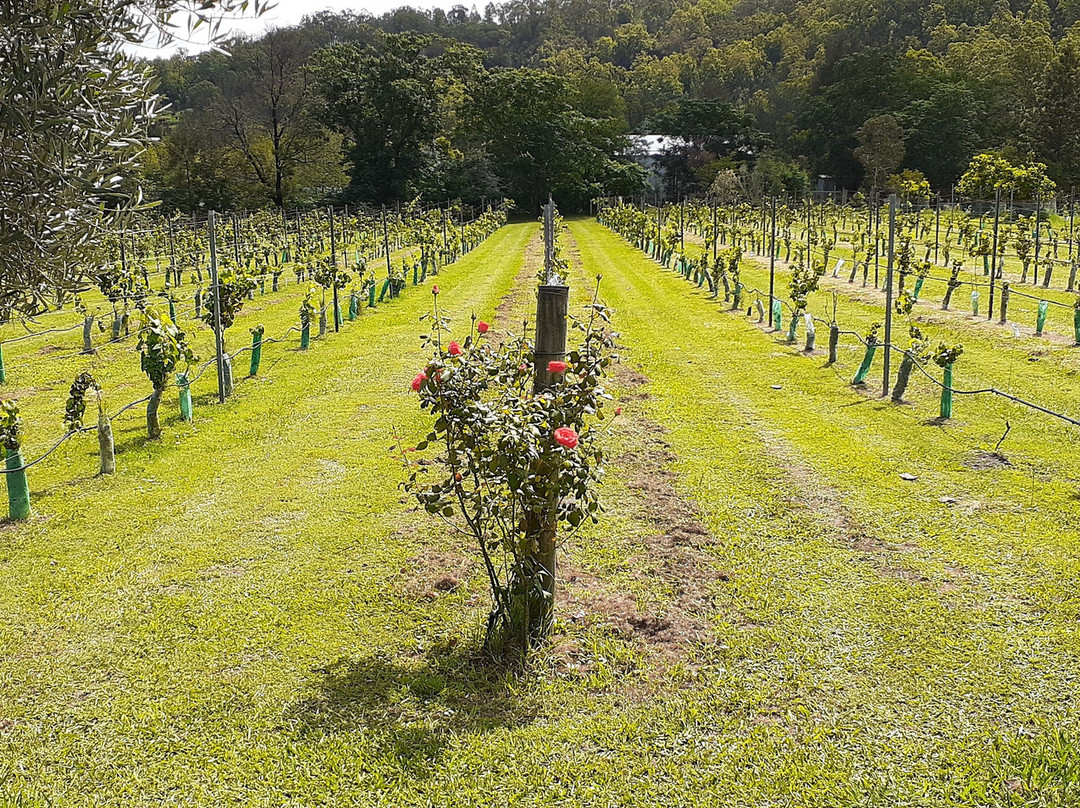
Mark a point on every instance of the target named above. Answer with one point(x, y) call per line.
point(289, 12)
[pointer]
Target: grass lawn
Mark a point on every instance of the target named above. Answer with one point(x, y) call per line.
point(252, 613)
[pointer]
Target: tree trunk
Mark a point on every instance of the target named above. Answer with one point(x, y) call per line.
point(106, 447)
point(903, 375)
point(153, 425)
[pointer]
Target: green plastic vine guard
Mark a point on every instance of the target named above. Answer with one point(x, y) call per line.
point(338, 321)
point(864, 368)
point(1040, 319)
point(975, 302)
point(777, 315)
point(256, 353)
point(793, 327)
point(918, 288)
point(1076, 326)
point(182, 382)
point(3, 372)
point(385, 289)
point(354, 305)
point(17, 487)
point(305, 337)
point(172, 310)
point(371, 296)
point(415, 275)
point(946, 393)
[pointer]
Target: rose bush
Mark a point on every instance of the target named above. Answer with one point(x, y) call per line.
point(515, 466)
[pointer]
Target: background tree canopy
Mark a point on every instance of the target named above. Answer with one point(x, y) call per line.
point(538, 96)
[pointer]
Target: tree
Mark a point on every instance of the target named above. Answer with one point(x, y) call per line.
point(989, 173)
point(911, 185)
point(265, 108)
point(881, 148)
point(162, 347)
point(1055, 128)
point(386, 98)
point(706, 132)
point(74, 112)
point(539, 142)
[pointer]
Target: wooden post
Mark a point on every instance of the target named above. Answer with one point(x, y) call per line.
point(937, 227)
point(333, 276)
point(551, 309)
point(1038, 233)
point(772, 263)
point(386, 243)
point(994, 254)
point(889, 295)
point(219, 343)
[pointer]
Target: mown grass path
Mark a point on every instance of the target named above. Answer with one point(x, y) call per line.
point(890, 638)
point(156, 626)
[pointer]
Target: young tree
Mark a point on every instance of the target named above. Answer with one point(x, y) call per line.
point(162, 347)
point(880, 149)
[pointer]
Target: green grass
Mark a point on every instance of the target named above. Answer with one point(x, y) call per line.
point(242, 615)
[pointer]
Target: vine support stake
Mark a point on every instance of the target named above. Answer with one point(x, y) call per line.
point(219, 342)
point(889, 295)
point(256, 351)
point(333, 261)
point(551, 310)
point(994, 255)
point(184, 384)
point(772, 267)
point(946, 393)
point(17, 487)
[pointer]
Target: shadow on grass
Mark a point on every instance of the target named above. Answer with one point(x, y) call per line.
point(410, 708)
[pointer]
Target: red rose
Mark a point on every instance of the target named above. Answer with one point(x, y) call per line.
point(556, 367)
point(618, 410)
point(419, 380)
point(454, 349)
point(435, 289)
point(565, 436)
point(482, 327)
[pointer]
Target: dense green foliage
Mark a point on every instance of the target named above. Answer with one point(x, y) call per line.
point(431, 102)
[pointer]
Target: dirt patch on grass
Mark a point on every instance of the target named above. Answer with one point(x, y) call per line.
point(631, 381)
point(982, 461)
point(513, 306)
point(433, 572)
point(674, 553)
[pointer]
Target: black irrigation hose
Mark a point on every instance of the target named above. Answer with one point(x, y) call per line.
point(33, 334)
point(984, 390)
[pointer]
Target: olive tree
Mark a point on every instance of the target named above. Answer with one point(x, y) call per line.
point(75, 108)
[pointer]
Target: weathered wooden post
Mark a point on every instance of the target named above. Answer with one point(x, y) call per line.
point(552, 302)
point(219, 342)
point(889, 295)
